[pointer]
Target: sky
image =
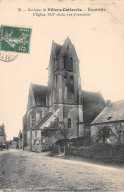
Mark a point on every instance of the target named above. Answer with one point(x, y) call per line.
point(98, 40)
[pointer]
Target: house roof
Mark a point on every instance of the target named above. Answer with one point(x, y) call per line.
point(112, 112)
point(2, 132)
point(39, 92)
point(15, 139)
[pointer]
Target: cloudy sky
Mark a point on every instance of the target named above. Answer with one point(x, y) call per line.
point(98, 39)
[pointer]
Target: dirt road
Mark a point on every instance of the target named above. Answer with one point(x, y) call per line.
point(27, 171)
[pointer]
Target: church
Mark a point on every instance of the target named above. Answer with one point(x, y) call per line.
point(61, 110)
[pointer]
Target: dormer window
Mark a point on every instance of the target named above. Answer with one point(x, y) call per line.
point(109, 118)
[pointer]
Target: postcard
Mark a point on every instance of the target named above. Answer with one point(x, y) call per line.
point(61, 96)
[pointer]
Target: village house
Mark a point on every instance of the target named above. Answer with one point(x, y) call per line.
point(61, 110)
point(108, 126)
point(14, 143)
point(2, 134)
point(20, 139)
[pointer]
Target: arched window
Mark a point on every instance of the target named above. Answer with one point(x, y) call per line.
point(69, 122)
point(65, 59)
point(71, 64)
point(68, 47)
point(71, 84)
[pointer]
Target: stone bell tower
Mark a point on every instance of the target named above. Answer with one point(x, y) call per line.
point(64, 85)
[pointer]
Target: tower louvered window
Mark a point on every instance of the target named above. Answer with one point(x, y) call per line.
point(65, 60)
point(71, 64)
point(71, 84)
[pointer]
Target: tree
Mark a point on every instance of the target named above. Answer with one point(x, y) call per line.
point(103, 133)
point(118, 132)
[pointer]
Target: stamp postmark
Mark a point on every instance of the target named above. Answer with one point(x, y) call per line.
point(8, 56)
point(15, 39)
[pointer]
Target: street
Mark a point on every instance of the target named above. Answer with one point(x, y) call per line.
point(28, 171)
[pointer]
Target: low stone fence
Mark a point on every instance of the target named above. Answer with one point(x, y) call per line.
point(101, 152)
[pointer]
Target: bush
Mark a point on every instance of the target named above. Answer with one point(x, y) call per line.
point(99, 152)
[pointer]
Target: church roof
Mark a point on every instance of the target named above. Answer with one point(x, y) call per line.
point(91, 97)
point(47, 120)
point(39, 92)
point(112, 112)
point(93, 104)
point(57, 48)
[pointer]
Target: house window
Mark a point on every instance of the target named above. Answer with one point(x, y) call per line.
point(69, 122)
point(71, 64)
point(67, 47)
point(71, 84)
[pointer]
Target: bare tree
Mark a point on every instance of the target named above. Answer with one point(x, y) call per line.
point(103, 133)
point(118, 132)
point(114, 132)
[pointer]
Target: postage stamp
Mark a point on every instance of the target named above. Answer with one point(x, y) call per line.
point(15, 39)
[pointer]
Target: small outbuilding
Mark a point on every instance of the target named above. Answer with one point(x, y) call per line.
point(108, 126)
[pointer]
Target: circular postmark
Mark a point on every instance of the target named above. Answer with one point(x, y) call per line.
point(8, 56)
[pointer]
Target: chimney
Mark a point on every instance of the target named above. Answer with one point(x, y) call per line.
point(108, 102)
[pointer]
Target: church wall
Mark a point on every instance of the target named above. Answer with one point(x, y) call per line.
point(31, 101)
point(36, 114)
point(36, 137)
point(71, 111)
point(28, 138)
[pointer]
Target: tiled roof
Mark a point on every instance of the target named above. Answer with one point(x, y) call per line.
point(112, 112)
point(39, 92)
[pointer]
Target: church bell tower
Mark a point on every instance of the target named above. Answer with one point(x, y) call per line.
point(64, 83)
